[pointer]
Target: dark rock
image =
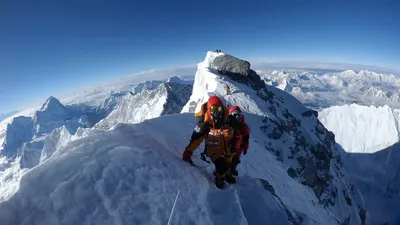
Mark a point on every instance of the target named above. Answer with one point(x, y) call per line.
point(291, 172)
point(238, 70)
point(309, 113)
point(227, 64)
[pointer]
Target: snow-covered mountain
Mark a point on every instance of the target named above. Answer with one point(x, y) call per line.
point(90, 106)
point(130, 174)
point(362, 129)
point(94, 97)
point(34, 137)
point(25, 136)
point(337, 88)
point(150, 100)
point(370, 139)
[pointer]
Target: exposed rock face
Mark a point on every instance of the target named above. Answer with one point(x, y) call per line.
point(237, 69)
point(230, 64)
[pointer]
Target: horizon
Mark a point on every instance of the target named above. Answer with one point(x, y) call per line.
point(263, 66)
point(53, 48)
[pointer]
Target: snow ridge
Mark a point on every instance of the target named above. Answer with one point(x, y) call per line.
point(291, 133)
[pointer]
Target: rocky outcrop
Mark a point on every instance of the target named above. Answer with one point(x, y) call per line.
point(230, 64)
point(238, 70)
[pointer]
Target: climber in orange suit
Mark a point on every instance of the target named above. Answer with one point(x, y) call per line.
point(217, 127)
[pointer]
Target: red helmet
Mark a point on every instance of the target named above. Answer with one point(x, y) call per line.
point(235, 108)
point(237, 112)
point(214, 100)
point(215, 108)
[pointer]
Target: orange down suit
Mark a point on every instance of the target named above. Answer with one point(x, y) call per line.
point(220, 141)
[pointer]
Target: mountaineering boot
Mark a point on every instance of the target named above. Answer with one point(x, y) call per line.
point(235, 163)
point(229, 178)
point(234, 171)
point(219, 180)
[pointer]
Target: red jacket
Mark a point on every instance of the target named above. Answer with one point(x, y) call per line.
point(242, 138)
point(243, 134)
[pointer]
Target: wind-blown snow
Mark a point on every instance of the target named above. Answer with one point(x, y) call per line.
point(109, 178)
point(365, 129)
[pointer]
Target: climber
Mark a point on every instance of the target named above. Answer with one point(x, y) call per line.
point(242, 138)
point(228, 90)
point(217, 127)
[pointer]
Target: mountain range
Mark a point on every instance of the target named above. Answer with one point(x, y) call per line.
point(112, 155)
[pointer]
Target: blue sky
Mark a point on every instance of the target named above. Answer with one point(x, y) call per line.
point(51, 47)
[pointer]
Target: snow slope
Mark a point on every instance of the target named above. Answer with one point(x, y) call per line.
point(364, 129)
point(109, 178)
point(377, 176)
point(320, 91)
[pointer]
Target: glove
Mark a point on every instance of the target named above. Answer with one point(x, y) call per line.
point(245, 151)
point(186, 155)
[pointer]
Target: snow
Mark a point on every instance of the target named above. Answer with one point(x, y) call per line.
point(326, 89)
point(377, 176)
point(108, 178)
point(370, 138)
point(20, 130)
point(285, 86)
point(10, 175)
point(363, 129)
point(208, 83)
point(3, 124)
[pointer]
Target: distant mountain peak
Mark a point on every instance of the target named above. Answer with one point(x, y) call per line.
point(52, 103)
point(348, 73)
point(52, 110)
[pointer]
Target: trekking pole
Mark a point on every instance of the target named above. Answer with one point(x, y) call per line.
point(173, 208)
